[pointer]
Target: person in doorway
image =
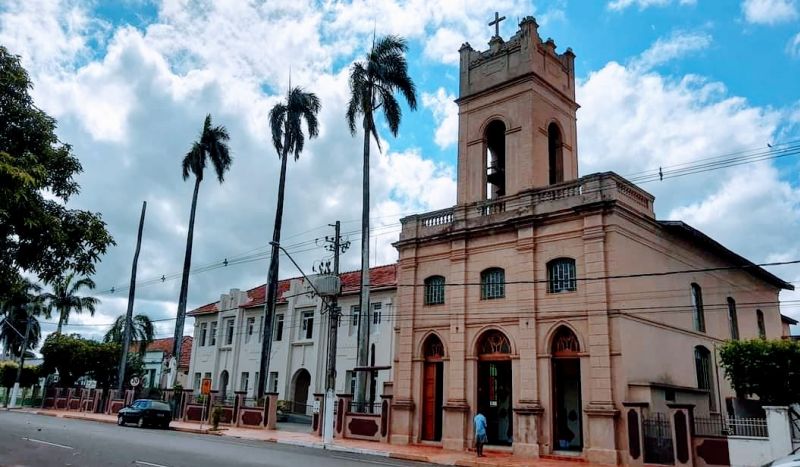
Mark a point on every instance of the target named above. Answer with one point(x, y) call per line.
point(480, 433)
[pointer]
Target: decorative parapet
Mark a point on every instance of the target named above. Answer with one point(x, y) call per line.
point(606, 187)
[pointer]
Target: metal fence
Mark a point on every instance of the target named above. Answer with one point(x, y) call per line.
point(717, 426)
point(365, 407)
point(794, 421)
point(657, 431)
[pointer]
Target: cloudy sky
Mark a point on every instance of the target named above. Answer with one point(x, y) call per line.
point(661, 82)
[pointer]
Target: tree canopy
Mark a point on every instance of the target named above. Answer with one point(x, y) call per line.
point(38, 233)
point(768, 369)
point(74, 357)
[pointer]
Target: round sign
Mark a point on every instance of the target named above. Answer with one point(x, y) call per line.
point(134, 381)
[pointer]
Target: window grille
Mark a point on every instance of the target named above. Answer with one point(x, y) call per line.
point(434, 290)
point(493, 284)
point(702, 361)
point(561, 276)
point(762, 328)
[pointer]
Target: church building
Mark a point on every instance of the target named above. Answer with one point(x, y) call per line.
point(546, 300)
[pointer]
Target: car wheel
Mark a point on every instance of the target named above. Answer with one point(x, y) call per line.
point(140, 422)
point(120, 420)
point(165, 426)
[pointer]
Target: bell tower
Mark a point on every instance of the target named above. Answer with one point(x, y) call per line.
point(516, 116)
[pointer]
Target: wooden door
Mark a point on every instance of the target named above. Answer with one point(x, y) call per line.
point(429, 402)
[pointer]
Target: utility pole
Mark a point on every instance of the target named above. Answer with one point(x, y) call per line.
point(126, 341)
point(15, 391)
point(336, 246)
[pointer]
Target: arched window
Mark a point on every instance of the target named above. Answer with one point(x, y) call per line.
point(733, 320)
point(434, 290)
point(561, 275)
point(495, 139)
point(705, 378)
point(494, 343)
point(433, 348)
point(762, 328)
point(698, 317)
point(555, 152)
point(565, 343)
point(493, 284)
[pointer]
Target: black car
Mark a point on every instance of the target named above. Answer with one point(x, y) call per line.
point(146, 412)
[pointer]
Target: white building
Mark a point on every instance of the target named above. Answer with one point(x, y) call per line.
point(227, 342)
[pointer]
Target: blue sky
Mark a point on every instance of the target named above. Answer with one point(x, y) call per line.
point(660, 82)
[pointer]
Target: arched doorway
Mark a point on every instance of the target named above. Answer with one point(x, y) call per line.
point(302, 380)
point(566, 374)
point(495, 391)
point(432, 385)
point(223, 384)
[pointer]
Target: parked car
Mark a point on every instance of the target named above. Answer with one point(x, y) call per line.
point(792, 460)
point(146, 412)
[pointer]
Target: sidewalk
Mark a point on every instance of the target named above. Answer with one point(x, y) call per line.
point(429, 454)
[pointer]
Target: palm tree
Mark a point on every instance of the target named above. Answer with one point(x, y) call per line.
point(212, 146)
point(285, 122)
point(373, 84)
point(64, 298)
point(22, 302)
point(142, 331)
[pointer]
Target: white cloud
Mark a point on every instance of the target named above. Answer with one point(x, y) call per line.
point(793, 46)
point(620, 5)
point(677, 45)
point(445, 113)
point(769, 11)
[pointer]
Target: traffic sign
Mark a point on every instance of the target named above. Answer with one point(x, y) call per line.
point(205, 388)
point(135, 381)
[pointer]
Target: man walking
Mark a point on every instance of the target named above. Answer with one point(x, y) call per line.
point(480, 433)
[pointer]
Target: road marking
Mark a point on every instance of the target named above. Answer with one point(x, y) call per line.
point(149, 463)
point(48, 443)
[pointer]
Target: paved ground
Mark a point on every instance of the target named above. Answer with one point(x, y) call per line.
point(33, 440)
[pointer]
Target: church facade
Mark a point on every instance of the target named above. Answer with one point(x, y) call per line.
point(545, 300)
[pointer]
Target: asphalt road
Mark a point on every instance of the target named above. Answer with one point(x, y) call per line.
point(36, 440)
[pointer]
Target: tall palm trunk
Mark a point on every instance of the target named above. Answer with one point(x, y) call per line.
point(363, 321)
point(187, 264)
point(60, 321)
point(272, 275)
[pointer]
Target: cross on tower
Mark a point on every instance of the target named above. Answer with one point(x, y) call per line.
point(496, 23)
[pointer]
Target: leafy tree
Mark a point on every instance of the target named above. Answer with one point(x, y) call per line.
point(64, 298)
point(285, 121)
point(38, 233)
point(373, 84)
point(211, 147)
point(104, 363)
point(142, 331)
point(768, 369)
point(8, 375)
point(67, 354)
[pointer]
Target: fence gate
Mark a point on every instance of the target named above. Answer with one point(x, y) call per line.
point(657, 432)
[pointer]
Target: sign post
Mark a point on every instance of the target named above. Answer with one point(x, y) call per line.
point(205, 390)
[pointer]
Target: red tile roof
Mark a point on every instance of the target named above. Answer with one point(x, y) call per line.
point(165, 345)
point(380, 277)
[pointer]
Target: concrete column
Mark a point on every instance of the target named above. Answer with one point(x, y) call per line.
point(779, 429)
point(680, 416)
point(601, 412)
point(342, 409)
point(634, 429)
point(271, 410)
point(403, 402)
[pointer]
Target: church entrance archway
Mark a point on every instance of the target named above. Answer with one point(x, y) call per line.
point(302, 380)
point(566, 376)
point(432, 389)
point(495, 391)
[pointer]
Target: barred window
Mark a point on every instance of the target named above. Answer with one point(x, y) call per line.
point(561, 276)
point(493, 284)
point(705, 379)
point(762, 328)
point(434, 290)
